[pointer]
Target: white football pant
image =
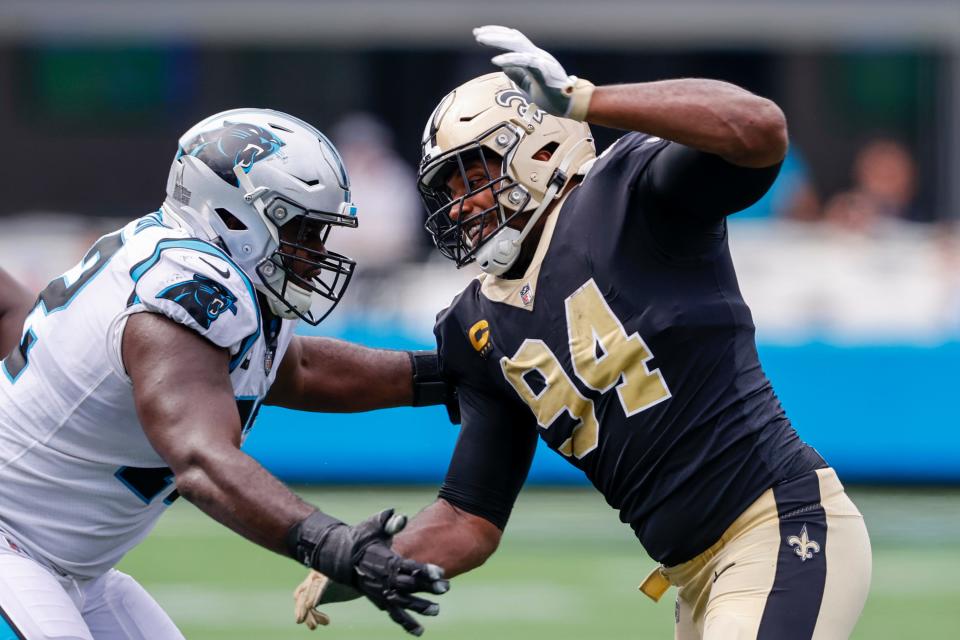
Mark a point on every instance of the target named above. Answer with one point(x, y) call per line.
point(37, 604)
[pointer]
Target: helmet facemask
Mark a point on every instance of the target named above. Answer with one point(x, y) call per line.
point(460, 236)
point(302, 267)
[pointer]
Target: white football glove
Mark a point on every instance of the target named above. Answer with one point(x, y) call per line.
point(537, 73)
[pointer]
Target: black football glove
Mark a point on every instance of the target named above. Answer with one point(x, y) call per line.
point(360, 556)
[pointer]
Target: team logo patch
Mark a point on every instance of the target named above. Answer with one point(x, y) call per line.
point(231, 145)
point(805, 547)
point(507, 97)
point(204, 299)
point(479, 335)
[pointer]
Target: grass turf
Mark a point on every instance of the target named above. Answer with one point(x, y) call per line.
point(567, 569)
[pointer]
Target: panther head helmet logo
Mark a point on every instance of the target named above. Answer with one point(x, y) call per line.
point(231, 145)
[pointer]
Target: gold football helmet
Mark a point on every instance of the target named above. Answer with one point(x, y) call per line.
point(489, 118)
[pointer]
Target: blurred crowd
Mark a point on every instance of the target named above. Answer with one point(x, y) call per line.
point(882, 189)
point(851, 266)
point(880, 193)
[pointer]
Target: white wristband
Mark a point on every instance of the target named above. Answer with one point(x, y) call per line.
point(580, 92)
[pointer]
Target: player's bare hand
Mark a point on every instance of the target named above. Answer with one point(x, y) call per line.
point(537, 72)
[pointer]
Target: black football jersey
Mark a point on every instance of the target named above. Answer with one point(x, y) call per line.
point(627, 346)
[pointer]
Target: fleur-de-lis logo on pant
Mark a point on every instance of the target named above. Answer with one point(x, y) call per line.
point(805, 547)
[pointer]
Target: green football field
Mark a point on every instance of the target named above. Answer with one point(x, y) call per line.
point(567, 569)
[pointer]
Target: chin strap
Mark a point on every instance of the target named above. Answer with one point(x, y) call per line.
point(502, 250)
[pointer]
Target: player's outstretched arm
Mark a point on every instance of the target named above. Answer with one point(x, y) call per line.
point(488, 467)
point(449, 537)
point(440, 535)
point(464, 526)
point(185, 403)
point(324, 374)
point(709, 115)
point(15, 304)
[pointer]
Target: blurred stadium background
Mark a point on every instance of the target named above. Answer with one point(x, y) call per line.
point(851, 264)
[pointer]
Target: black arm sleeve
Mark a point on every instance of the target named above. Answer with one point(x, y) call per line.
point(703, 186)
point(492, 457)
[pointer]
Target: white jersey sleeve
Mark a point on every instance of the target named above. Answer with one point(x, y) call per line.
point(80, 483)
point(196, 284)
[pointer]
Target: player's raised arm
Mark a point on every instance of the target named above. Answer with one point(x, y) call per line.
point(710, 115)
point(713, 116)
point(14, 306)
point(186, 405)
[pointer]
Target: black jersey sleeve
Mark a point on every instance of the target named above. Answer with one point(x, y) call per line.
point(702, 187)
point(492, 457)
point(686, 194)
point(678, 196)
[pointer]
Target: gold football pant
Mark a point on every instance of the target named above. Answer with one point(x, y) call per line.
point(795, 565)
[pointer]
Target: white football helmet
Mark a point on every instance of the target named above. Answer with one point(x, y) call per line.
point(490, 118)
point(267, 187)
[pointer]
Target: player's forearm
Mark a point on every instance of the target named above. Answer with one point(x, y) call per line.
point(15, 303)
point(233, 489)
point(338, 376)
point(444, 535)
point(709, 115)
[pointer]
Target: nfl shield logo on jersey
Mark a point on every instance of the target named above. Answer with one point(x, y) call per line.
point(526, 296)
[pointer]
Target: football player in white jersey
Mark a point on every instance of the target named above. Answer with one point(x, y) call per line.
point(139, 371)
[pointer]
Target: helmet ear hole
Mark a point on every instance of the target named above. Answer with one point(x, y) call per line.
point(233, 222)
point(546, 151)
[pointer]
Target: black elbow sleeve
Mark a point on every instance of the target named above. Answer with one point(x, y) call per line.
point(496, 512)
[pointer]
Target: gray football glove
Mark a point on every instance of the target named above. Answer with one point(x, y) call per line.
point(537, 73)
point(360, 557)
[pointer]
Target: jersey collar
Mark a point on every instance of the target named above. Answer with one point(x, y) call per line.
point(521, 292)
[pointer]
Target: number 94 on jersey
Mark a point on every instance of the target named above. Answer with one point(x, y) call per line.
point(603, 357)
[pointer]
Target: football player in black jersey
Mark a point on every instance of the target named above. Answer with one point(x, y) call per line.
point(609, 323)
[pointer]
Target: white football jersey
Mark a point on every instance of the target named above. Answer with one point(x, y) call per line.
point(80, 485)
